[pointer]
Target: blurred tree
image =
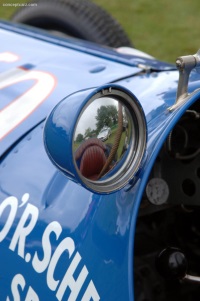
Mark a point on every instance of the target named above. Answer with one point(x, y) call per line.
point(106, 116)
point(88, 133)
point(79, 138)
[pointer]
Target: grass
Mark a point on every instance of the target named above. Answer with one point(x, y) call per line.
point(164, 29)
point(7, 11)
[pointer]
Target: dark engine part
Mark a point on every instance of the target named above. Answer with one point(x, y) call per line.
point(169, 215)
point(180, 161)
point(175, 177)
point(155, 232)
point(171, 263)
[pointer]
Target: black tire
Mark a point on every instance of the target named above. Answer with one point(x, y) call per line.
point(77, 18)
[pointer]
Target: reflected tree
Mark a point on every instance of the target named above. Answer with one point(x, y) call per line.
point(89, 133)
point(106, 116)
point(79, 138)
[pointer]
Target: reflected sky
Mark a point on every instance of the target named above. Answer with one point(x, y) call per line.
point(88, 119)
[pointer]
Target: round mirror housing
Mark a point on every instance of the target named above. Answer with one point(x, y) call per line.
point(97, 138)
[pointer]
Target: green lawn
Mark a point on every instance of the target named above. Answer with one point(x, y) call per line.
point(164, 29)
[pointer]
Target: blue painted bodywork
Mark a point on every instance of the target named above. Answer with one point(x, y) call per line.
point(101, 227)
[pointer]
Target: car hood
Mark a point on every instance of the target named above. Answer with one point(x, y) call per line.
point(38, 70)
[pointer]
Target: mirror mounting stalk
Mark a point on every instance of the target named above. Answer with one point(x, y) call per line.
point(185, 64)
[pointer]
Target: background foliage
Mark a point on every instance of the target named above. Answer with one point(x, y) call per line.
point(164, 29)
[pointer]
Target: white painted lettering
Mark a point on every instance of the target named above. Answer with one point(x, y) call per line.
point(11, 202)
point(25, 226)
point(31, 295)
point(41, 265)
point(18, 281)
point(91, 293)
point(69, 281)
point(67, 284)
point(66, 244)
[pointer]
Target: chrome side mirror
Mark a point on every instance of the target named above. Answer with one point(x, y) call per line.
point(97, 139)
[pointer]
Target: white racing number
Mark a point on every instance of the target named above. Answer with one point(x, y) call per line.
point(8, 57)
point(25, 104)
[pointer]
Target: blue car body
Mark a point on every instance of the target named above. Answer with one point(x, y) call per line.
point(58, 240)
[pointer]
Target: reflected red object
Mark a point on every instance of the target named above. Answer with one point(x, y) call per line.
point(91, 158)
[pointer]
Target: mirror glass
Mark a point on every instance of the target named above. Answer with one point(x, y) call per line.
point(102, 139)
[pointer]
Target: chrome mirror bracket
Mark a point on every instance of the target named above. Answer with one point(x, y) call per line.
point(185, 64)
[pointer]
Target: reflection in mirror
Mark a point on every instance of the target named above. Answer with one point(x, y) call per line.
point(102, 138)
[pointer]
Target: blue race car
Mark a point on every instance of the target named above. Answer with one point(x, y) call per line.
point(83, 218)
